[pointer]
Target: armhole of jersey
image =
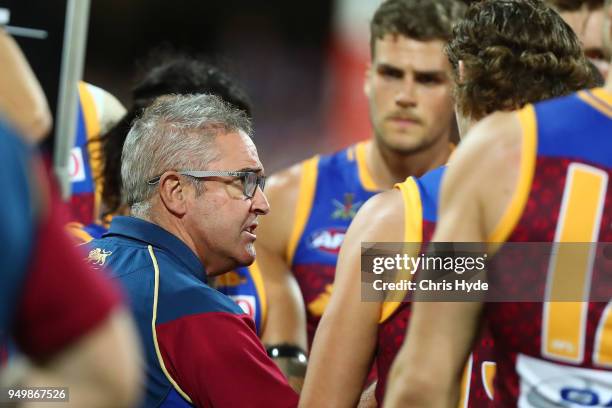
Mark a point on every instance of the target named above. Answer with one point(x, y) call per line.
point(94, 147)
point(308, 184)
point(160, 359)
point(76, 230)
point(367, 182)
point(598, 99)
point(413, 229)
point(512, 215)
point(261, 294)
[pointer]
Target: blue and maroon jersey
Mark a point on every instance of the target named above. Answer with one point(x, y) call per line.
point(85, 233)
point(332, 189)
point(245, 287)
point(421, 197)
point(558, 353)
point(200, 348)
point(17, 221)
point(44, 280)
point(86, 160)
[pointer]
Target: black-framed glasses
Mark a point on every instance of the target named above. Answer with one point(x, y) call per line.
point(250, 179)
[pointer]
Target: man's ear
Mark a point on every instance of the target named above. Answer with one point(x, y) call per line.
point(173, 193)
point(367, 78)
point(461, 69)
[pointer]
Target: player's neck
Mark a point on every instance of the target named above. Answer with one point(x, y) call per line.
point(608, 85)
point(388, 167)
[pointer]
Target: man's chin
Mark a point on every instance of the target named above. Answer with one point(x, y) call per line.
point(248, 256)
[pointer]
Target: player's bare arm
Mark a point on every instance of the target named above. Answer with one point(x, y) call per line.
point(286, 320)
point(428, 369)
point(22, 100)
point(346, 338)
point(84, 368)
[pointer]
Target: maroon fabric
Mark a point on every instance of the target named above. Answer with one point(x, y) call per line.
point(63, 298)
point(517, 327)
point(313, 280)
point(217, 360)
point(391, 335)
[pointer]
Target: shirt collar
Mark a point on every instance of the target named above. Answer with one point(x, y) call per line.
point(156, 236)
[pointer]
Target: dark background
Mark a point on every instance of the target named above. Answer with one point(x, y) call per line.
point(276, 49)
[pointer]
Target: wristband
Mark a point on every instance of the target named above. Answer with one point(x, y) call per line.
point(287, 351)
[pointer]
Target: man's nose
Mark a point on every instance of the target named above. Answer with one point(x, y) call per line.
point(260, 204)
point(406, 95)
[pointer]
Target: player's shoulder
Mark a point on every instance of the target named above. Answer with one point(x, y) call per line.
point(120, 257)
point(291, 177)
point(286, 179)
point(490, 145)
point(381, 218)
point(285, 189)
point(108, 108)
point(185, 297)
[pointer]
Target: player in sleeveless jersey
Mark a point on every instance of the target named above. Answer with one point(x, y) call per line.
point(353, 331)
point(547, 182)
point(97, 112)
point(408, 88)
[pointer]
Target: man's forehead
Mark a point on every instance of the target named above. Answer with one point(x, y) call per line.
point(396, 49)
point(236, 151)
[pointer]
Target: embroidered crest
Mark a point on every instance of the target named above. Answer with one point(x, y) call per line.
point(347, 210)
point(98, 256)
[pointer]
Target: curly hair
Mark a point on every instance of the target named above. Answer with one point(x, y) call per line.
point(573, 5)
point(514, 52)
point(421, 20)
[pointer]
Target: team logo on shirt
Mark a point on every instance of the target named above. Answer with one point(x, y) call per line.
point(548, 384)
point(98, 256)
point(346, 210)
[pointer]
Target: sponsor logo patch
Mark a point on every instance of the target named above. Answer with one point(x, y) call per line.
point(328, 240)
point(76, 168)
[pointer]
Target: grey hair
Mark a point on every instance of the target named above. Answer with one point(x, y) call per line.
point(176, 132)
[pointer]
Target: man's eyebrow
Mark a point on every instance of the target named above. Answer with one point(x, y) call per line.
point(430, 72)
point(253, 169)
point(386, 65)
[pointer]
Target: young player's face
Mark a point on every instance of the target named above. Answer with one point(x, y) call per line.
point(409, 90)
point(221, 220)
point(588, 26)
point(607, 31)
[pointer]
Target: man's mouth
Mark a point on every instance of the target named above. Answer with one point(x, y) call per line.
point(404, 120)
point(250, 230)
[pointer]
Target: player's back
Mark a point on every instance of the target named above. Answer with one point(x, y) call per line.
point(421, 199)
point(559, 352)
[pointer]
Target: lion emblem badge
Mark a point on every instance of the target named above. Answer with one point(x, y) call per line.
point(98, 256)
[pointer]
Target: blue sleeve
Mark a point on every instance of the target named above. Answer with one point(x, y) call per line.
point(16, 220)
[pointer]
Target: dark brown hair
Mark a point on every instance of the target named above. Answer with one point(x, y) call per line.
point(177, 73)
point(573, 5)
point(514, 52)
point(421, 20)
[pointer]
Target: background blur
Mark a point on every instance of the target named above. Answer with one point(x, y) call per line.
point(302, 63)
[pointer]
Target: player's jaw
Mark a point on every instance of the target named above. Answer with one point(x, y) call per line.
point(247, 239)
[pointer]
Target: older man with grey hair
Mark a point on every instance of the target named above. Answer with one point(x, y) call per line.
point(194, 183)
